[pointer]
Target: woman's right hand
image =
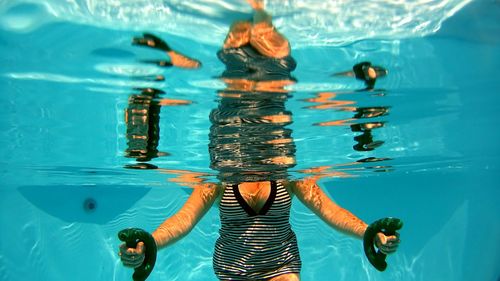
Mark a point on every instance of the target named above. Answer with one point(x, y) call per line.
point(132, 257)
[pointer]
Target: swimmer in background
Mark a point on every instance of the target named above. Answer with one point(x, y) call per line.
point(256, 240)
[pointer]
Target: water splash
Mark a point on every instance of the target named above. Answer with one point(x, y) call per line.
point(305, 22)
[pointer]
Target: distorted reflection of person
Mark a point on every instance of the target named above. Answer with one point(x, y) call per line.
point(251, 148)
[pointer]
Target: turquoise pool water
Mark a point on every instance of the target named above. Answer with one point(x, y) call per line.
point(68, 71)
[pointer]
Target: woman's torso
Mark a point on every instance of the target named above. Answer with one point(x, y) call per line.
point(256, 241)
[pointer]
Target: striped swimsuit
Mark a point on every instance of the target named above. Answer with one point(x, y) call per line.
point(255, 245)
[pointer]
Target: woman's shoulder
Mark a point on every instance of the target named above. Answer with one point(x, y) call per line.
point(289, 185)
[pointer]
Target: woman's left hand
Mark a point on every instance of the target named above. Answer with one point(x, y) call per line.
point(387, 244)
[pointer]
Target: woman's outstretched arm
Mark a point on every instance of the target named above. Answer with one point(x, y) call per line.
point(175, 227)
point(337, 217)
point(182, 222)
point(308, 191)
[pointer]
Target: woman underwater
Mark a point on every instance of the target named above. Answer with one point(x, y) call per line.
point(251, 149)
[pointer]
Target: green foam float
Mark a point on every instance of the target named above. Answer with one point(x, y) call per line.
point(388, 226)
point(132, 236)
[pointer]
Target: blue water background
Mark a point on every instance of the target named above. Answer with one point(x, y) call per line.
point(63, 138)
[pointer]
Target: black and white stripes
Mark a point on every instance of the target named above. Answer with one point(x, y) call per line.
point(255, 245)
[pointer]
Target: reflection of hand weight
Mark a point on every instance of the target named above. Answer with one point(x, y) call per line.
point(132, 236)
point(365, 140)
point(388, 226)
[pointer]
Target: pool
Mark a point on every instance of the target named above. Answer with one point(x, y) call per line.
point(68, 73)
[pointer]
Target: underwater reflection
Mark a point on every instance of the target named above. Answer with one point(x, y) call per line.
point(366, 72)
point(249, 137)
point(142, 115)
point(142, 118)
point(364, 141)
point(252, 149)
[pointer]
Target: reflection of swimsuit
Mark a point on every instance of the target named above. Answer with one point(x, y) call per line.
point(243, 141)
point(255, 245)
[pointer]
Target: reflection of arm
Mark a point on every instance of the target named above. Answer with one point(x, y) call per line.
point(337, 217)
point(182, 222)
